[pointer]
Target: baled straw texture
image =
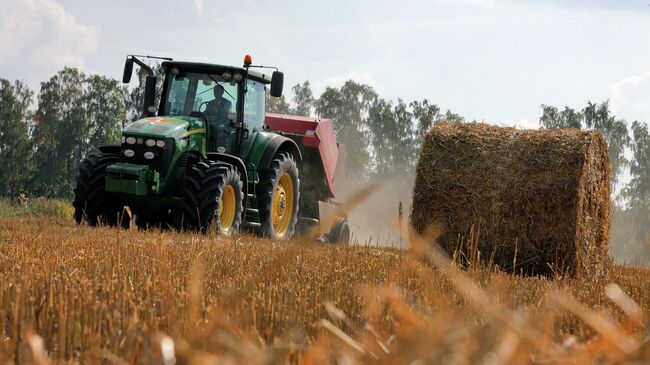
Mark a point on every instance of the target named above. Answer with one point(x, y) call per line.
point(531, 201)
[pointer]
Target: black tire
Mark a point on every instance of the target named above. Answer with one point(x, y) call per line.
point(91, 201)
point(283, 162)
point(340, 232)
point(152, 221)
point(203, 191)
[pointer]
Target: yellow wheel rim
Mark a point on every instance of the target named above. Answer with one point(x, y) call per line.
point(227, 208)
point(283, 205)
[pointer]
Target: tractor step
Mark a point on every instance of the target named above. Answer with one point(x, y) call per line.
point(251, 226)
point(252, 215)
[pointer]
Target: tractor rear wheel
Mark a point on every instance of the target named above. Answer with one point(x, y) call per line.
point(277, 197)
point(213, 197)
point(91, 201)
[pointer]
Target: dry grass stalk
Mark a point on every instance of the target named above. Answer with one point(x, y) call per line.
point(197, 300)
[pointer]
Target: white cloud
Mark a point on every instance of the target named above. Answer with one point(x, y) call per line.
point(198, 4)
point(630, 97)
point(481, 3)
point(40, 37)
point(362, 77)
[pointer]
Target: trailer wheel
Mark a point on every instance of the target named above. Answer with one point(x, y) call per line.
point(278, 195)
point(91, 201)
point(213, 198)
point(340, 232)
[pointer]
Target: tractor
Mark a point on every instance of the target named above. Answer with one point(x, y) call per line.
point(208, 158)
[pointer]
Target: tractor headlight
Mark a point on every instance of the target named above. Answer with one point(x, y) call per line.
point(149, 155)
point(160, 143)
point(129, 153)
point(150, 142)
point(130, 140)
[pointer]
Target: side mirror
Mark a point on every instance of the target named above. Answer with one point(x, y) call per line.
point(277, 82)
point(149, 94)
point(128, 70)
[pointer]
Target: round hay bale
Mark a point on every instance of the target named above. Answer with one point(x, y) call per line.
point(531, 201)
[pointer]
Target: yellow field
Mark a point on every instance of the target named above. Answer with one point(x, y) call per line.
point(73, 294)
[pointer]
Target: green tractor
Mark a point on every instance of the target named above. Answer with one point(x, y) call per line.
point(208, 158)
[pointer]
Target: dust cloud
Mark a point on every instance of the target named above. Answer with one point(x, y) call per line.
point(629, 242)
point(379, 220)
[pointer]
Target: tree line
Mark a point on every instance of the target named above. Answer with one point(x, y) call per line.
point(382, 137)
point(43, 141)
point(41, 147)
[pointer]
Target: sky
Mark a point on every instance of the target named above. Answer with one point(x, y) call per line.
point(490, 60)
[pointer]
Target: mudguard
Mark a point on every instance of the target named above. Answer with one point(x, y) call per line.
point(279, 143)
point(235, 161)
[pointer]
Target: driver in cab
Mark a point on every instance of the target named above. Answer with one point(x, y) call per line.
point(219, 107)
point(217, 115)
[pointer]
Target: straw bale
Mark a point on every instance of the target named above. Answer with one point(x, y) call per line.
point(531, 201)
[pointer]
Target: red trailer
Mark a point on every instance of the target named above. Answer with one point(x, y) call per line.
point(321, 169)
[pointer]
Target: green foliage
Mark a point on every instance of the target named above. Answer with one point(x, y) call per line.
point(15, 100)
point(348, 106)
point(593, 116)
point(303, 98)
point(637, 190)
point(380, 122)
point(599, 117)
point(40, 207)
point(59, 132)
point(426, 115)
point(105, 101)
point(277, 105)
point(75, 114)
point(553, 119)
point(453, 117)
point(393, 138)
point(382, 138)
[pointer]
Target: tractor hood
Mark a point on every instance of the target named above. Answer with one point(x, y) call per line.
point(166, 127)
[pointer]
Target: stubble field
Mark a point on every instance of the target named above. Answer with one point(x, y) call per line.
point(74, 294)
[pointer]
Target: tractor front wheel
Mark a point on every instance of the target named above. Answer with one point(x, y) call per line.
point(91, 201)
point(213, 197)
point(277, 196)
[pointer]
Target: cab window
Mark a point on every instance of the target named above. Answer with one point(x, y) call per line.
point(254, 105)
point(193, 92)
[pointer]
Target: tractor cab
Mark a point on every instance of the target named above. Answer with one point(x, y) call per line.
point(227, 99)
